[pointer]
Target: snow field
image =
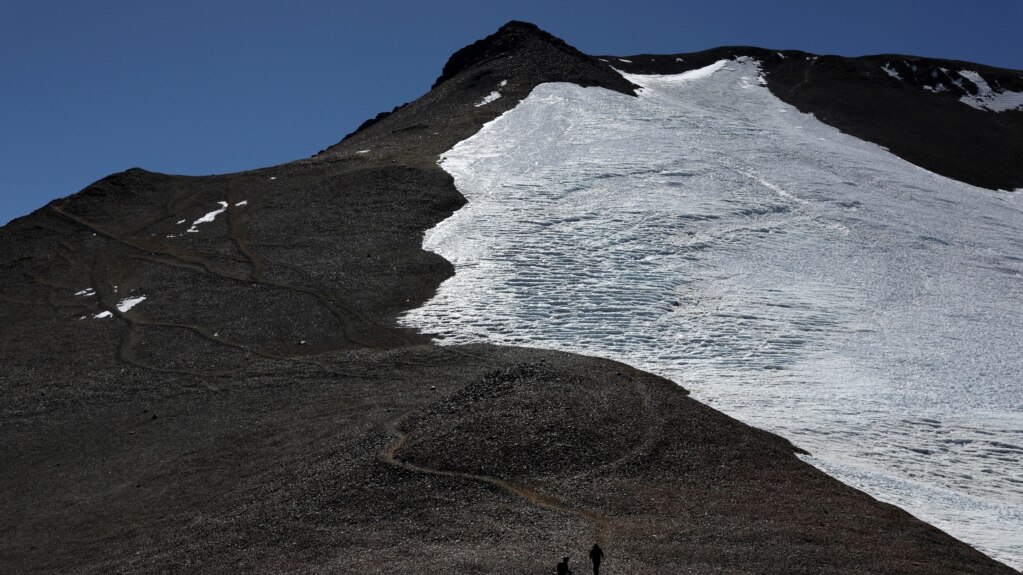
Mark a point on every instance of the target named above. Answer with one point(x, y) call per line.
point(804, 281)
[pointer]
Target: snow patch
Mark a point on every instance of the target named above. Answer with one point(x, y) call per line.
point(129, 302)
point(362, 151)
point(988, 99)
point(103, 315)
point(242, 203)
point(209, 217)
point(692, 75)
point(86, 292)
point(488, 98)
point(891, 71)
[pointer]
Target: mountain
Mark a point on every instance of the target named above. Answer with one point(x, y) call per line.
point(209, 373)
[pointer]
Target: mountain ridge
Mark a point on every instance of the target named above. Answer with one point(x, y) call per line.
point(260, 410)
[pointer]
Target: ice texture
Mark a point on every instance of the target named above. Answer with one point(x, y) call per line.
point(797, 278)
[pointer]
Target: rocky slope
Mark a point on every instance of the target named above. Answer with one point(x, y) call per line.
point(260, 410)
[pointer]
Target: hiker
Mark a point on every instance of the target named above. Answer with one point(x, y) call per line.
point(596, 555)
point(563, 567)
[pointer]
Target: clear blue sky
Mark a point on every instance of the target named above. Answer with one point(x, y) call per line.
point(88, 88)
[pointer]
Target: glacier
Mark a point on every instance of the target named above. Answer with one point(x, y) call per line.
point(794, 277)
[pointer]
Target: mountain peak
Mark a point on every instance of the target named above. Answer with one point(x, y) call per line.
point(515, 36)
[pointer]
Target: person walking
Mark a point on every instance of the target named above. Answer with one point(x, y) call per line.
point(596, 555)
point(563, 567)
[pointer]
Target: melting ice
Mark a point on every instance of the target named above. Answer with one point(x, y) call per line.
point(799, 279)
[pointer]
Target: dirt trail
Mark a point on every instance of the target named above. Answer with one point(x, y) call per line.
point(605, 527)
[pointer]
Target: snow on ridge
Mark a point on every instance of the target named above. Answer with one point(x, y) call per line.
point(988, 99)
point(701, 73)
point(691, 75)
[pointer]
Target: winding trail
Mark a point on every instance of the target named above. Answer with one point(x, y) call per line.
point(605, 527)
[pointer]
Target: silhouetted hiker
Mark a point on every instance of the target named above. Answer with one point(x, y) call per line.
point(563, 567)
point(596, 555)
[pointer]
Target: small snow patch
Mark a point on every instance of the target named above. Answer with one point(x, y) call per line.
point(207, 218)
point(86, 292)
point(273, 177)
point(891, 71)
point(103, 315)
point(129, 302)
point(624, 60)
point(181, 222)
point(780, 55)
point(488, 98)
point(362, 152)
point(503, 83)
point(242, 203)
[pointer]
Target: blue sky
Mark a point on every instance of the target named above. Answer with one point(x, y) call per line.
point(200, 87)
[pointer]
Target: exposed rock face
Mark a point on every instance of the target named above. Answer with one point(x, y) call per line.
point(547, 58)
point(261, 411)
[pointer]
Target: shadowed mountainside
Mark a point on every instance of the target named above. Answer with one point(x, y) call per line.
point(260, 410)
